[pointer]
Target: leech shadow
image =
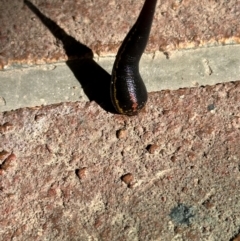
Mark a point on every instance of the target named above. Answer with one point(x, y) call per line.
point(94, 80)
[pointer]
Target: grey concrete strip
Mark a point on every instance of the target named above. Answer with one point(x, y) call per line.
point(48, 84)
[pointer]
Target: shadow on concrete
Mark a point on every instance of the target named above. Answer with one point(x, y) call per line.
point(94, 80)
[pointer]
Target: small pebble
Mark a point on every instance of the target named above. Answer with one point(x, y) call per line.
point(81, 173)
point(173, 158)
point(39, 117)
point(8, 162)
point(152, 148)
point(122, 134)
point(128, 179)
point(6, 127)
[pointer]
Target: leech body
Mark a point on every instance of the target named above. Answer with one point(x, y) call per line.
point(128, 91)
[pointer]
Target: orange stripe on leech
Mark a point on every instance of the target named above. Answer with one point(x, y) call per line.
point(119, 109)
point(134, 102)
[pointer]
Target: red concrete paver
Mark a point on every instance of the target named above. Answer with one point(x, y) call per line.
point(67, 26)
point(64, 169)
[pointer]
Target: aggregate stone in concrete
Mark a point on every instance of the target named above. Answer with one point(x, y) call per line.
point(75, 171)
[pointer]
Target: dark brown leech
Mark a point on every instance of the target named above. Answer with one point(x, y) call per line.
point(128, 91)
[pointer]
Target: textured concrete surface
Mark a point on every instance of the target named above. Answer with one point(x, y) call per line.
point(78, 171)
point(73, 171)
point(61, 30)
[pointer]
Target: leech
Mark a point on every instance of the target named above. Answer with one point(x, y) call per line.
point(128, 91)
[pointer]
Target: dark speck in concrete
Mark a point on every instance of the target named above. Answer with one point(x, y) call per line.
point(182, 214)
point(211, 107)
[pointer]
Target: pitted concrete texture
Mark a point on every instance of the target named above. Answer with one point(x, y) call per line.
point(74, 171)
point(43, 31)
